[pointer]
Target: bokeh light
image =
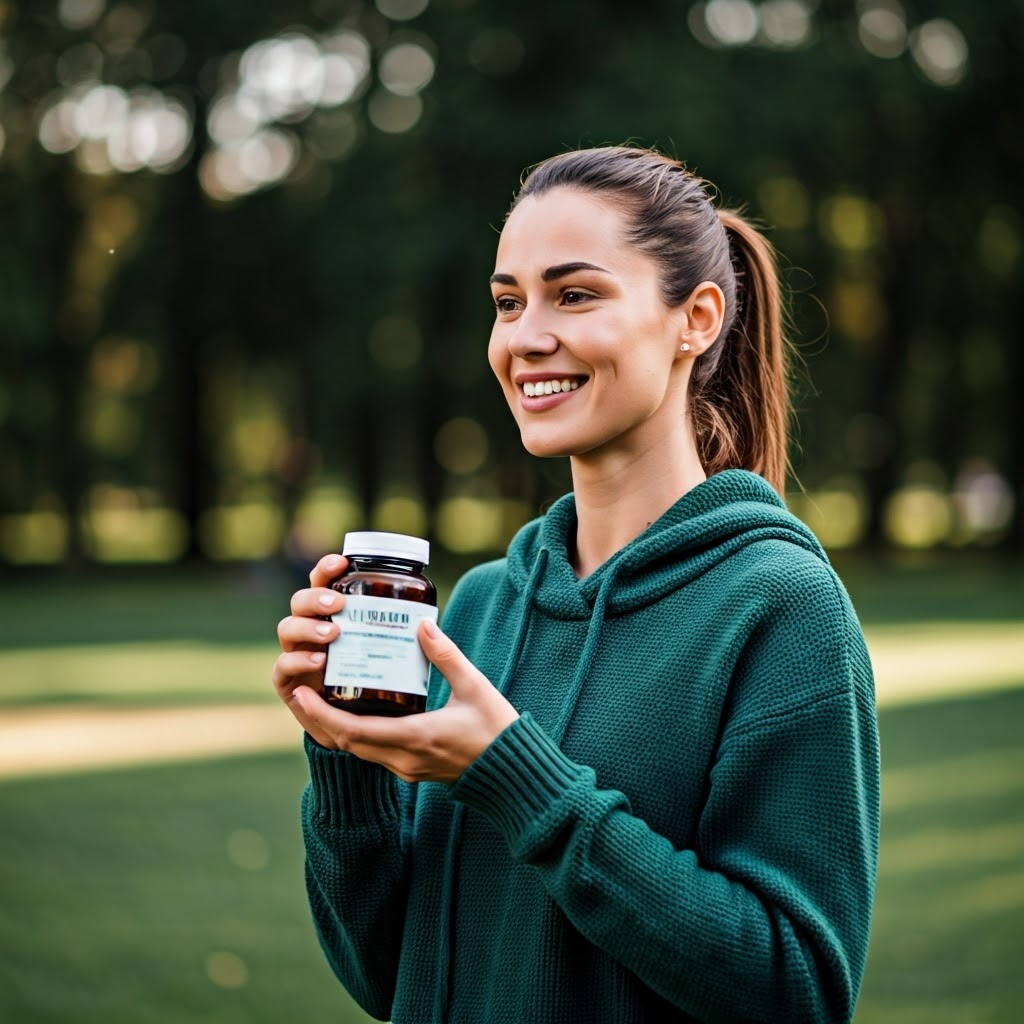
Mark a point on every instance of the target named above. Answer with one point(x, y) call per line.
point(406, 68)
point(400, 513)
point(851, 222)
point(858, 310)
point(785, 201)
point(243, 532)
point(401, 10)
point(940, 50)
point(39, 537)
point(324, 515)
point(983, 501)
point(111, 129)
point(999, 240)
point(882, 27)
point(466, 524)
point(786, 23)
point(837, 512)
point(124, 524)
point(279, 82)
point(731, 22)
point(226, 970)
point(79, 14)
point(393, 114)
point(247, 849)
point(461, 445)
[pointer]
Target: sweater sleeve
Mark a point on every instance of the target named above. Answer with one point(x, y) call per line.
point(354, 825)
point(766, 917)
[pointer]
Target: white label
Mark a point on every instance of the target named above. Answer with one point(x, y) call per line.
point(377, 648)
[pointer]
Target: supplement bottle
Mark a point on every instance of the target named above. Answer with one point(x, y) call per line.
point(376, 665)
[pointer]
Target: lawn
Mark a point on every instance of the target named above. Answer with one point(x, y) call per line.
point(173, 893)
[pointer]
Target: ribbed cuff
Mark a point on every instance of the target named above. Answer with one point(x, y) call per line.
point(519, 777)
point(347, 791)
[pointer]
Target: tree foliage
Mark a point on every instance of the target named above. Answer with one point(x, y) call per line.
point(292, 294)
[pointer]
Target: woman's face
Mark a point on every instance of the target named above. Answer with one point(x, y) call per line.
point(583, 345)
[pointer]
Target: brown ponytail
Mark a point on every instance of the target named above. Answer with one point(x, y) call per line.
point(739, 397)
point(739, 402)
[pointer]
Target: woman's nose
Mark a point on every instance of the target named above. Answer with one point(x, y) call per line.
point(532, 334)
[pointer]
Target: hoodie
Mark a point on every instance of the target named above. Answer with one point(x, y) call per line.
point(681, 826)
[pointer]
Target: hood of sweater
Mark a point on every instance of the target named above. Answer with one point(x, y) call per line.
point(726, 512)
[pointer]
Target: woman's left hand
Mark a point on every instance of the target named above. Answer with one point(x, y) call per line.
point(437, 746)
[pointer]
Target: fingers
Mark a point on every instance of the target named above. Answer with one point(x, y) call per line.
point(326, 569)
point(301, 700)
point(297, 632)
point(295, 665)
point(306, 625)
point(316, 601)
point(394, 743)
point(364, 735)
point(461, 673)
point(297, 668)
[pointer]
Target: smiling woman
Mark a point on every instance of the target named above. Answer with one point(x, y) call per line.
point(646, 785)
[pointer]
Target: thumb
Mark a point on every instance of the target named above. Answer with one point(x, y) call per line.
point(462, 675)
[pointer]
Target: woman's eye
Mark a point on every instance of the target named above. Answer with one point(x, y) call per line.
point(573, 296)
point(505, 304)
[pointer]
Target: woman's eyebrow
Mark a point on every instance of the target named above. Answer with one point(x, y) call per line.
point(564, 269)
point(551, 274)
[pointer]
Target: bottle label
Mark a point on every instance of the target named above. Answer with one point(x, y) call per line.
point(377, 648)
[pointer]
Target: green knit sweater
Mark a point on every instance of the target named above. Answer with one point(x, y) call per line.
point(681, 826)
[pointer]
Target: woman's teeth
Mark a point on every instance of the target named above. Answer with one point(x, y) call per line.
point(548, 387)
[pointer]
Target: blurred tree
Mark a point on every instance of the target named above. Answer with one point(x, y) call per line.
point(292, 208)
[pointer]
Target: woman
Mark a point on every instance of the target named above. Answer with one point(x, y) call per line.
point(652, 723)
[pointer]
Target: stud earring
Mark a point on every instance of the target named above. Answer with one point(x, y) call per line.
point(684, 347)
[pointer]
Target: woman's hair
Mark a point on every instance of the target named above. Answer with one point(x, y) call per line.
point(738, 394)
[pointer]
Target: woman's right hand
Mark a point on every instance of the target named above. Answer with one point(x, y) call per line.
point(304, 634)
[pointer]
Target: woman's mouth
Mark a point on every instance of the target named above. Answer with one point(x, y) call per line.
point(552, 386)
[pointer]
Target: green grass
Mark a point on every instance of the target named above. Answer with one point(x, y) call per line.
point(949, 915)
point(117, 889)
point(175, 893)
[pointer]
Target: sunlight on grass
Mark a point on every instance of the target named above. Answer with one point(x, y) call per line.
point(169, 671)
point(912, 662)
point(927, 660)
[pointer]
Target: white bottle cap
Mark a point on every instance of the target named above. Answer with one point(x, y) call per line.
point(387, 545)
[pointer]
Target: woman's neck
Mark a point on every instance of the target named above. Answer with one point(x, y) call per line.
point(618, 495)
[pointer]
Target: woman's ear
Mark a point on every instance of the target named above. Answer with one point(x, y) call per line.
point(702, 316)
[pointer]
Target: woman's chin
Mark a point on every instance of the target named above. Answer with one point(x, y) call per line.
point(547, 447)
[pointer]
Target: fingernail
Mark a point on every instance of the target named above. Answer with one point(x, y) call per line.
point(327, 600)
point(431, 628)
point(323, 630)
point(332, 561)
point(317, 657)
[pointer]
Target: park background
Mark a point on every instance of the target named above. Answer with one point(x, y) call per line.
point(243, 308)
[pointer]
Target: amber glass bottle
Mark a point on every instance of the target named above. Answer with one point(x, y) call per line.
point(376, 665)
